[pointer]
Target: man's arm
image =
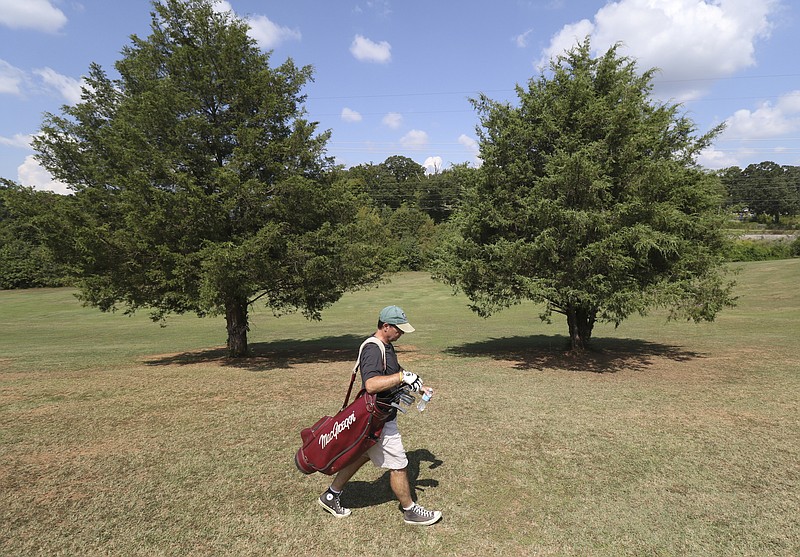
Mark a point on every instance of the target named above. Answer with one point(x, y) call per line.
point(377, 384)
point(380, 383)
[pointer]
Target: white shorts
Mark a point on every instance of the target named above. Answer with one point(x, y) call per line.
point(388, 452)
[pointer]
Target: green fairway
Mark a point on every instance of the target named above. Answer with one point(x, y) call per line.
point(120, 437)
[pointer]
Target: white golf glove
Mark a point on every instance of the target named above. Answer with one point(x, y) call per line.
point(412, 380)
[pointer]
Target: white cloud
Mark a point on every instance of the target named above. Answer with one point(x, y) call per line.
point(264, 31)
point(39, 15)
point(381, 8)
point(349, 115)
point(472, 146)
point(714, 159)
point(18, 82)
point(768, 120)
point(685, 39)
point(268, 34)
point(393, 120)
point(11, 78)
point(415, 139)
point(522, 40)
point(366, 50)
point(468, 142)
point(790, 103)
point(222, 6)
point(756, 132)
point(23, 141)
point(569, 36)
point(432, 165)
point(32, 174)
point(67, 87)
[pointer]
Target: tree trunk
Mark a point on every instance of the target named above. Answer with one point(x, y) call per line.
point(581, 323)
point(236, 318)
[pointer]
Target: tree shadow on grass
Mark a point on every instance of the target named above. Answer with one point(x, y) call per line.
point(359, 494)
point(606, 355)
point(278, 354)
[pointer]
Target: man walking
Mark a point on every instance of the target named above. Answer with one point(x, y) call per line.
point(381, 376)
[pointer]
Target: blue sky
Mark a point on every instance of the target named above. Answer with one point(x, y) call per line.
point(394, 77)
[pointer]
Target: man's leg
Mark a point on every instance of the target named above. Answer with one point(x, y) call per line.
point(398, 480)
point(393, 456)
point(330, 499)
point(412, 512)
point(344, 475)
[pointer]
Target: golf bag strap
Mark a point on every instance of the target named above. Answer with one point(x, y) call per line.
point(370, 340)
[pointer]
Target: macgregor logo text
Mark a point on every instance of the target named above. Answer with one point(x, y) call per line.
point(337, 428)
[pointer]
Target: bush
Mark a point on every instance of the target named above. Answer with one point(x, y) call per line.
point(412, 238)
point(753, 250)
point(23, 265)
point(795, 247)
point(29, 227)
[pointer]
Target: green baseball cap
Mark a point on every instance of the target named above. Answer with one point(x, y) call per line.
point(396, 316)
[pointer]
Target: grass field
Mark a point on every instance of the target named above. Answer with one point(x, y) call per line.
point(119, 437)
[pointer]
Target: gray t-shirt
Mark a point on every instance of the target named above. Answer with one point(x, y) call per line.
point(371, 365)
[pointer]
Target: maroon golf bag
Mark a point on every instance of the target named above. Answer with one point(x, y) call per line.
point(335, 441)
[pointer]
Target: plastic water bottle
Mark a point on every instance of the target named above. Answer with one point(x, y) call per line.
point(426, 397)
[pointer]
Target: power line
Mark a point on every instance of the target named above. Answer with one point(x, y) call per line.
point(485, 91)
point(726, 78)
point(760, 139)
point(428, 94)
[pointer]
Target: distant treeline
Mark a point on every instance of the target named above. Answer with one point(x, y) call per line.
point(413, 205)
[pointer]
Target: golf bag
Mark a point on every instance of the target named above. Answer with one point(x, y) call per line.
point(335, 441)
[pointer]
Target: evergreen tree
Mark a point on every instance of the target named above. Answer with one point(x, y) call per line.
point(590, 202)
point(200, 186)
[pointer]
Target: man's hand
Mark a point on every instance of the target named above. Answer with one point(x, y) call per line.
point(412, 380)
